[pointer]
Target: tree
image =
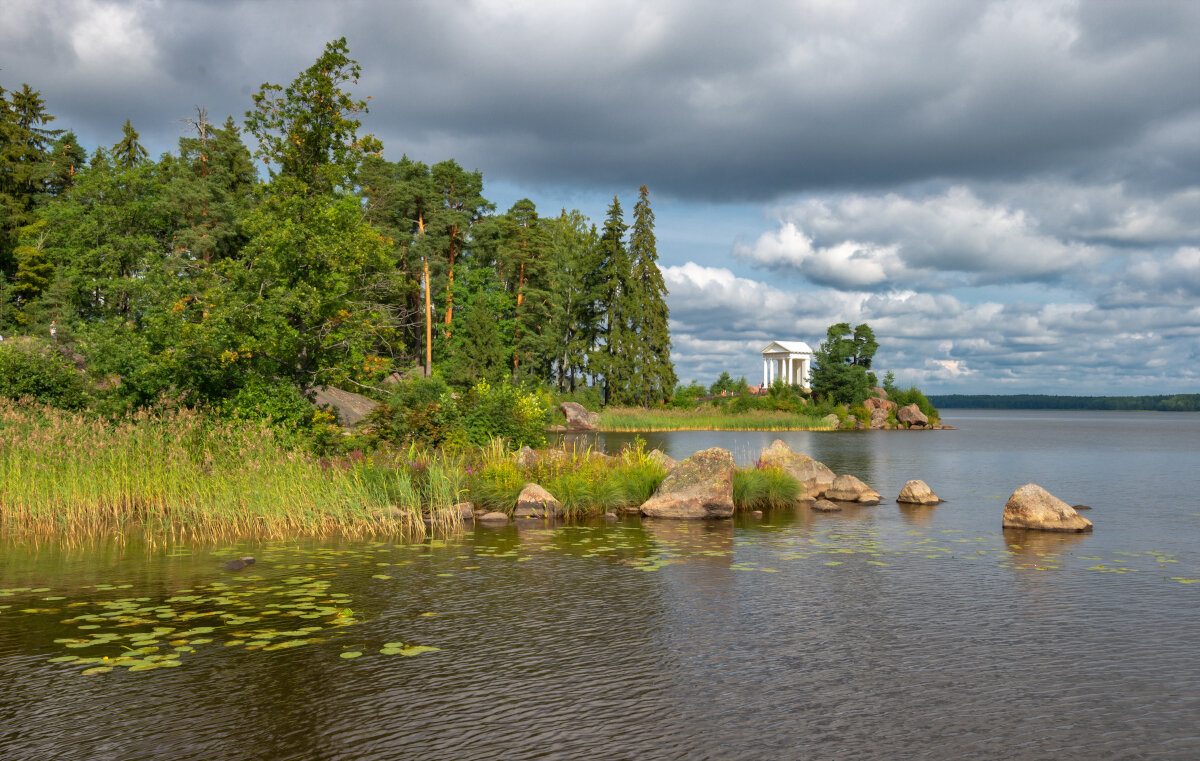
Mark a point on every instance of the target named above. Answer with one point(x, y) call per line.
point(24, 164)
point(128, 152)
point(575, 283)
point(522, 259)
point(610, 359)
point(653, 374)
point(842, 363)
point(309, 131)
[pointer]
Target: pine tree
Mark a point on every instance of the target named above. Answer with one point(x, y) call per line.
point(523, 256)
point(575, 285)
point(653, 378)
point(128, 152)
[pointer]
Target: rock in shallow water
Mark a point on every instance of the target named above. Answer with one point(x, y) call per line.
point(1033, 507)
point(536, 502)
point(916, 492)
point(699, 487)
point(825, 506)
point(850, 489)
point(812, 475)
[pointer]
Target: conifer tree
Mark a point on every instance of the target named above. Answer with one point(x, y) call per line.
point(574, 282)
point(128, 152)
point(653, 377)
point(610, 360)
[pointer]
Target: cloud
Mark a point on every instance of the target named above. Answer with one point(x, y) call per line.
point(720, 321)
point(895, 241)
point(699, 100)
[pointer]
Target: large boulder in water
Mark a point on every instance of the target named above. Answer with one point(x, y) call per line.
point(699, 487)
point(578, 417)
point(812, 475)
point(912, 416)
point(1032, 507)
point(917, 492)
point(850, 489)
point(536, 502)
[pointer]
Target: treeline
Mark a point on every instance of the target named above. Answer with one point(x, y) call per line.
point(192, 275)
point(1159, 403)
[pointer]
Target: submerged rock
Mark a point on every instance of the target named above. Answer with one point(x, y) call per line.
point(825, 506)
point(812, 475)
point(493, 517)
point(578, 417)
point(1033, 507)
point(699, 487)
point(536, 502)
point(1081, 507)
point(916, 492)
point(850, 489)
point(238, 564)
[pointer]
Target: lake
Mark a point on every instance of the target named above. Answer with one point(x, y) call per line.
point(876, 633)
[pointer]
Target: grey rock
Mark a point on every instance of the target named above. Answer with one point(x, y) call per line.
point(536, 502)
point(578, 417)
point(912, 416)
point(825, 506)
point(1032, 507)
point(916, 492)
point(700, 486)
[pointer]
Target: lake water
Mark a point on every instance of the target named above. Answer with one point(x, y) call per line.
point(876, 633)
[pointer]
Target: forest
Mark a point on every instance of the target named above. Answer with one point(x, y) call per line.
point(263, 259)
point(1158, 403)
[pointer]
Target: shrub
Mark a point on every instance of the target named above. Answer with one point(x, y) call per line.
point(418, 411)
point(36, 370)
point(913, 395)
point(505, 412)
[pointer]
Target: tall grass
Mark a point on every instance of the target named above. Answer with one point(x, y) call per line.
point(185, 475)
point(764, 489)
point(712, 419)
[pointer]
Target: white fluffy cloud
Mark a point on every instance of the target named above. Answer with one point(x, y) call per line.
point(896, 241)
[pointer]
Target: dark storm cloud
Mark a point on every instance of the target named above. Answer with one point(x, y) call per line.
point(701, 100)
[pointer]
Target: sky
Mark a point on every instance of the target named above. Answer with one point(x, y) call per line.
point(1008, 192)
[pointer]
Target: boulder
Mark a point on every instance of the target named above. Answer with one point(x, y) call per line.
point(465, 510)
point(526, 457)
point(665, 461)
point(830, 420)
point(1033, 507)
point(699, 487)
point(536, 502)
point(493, 517)
point(878, 392)
point(875, 403)
point(850, 489)
point(913, 416)
point(878, 419)
point(825, 506)
point(349, 407)
point(916, 492)
point(812, 475)
point(579, 419)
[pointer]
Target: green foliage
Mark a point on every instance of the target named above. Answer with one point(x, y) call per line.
point(913, 395)
point(1160, 403)
point(418, 411)
point(685, 397)
point(727, 384)
point(128, 152)
point(764, 489)
point(31, 369)
point(842, 363)
point(507, 412)
point(309, 131)
point(264, 401)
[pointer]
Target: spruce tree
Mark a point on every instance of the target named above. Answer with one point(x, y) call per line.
point(610, 361)
point(128, 152)
point(653, 378)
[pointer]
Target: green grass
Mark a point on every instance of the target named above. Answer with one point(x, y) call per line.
point(184, 475)
point(764, 489)
point(707, 419)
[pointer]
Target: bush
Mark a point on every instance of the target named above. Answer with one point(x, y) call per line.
point(505, 412)
point(685, 397)
point(913, 395)
point(36, 370)
point(418, 411)
point(264, 401)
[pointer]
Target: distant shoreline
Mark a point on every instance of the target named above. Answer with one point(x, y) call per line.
point(1156, 403)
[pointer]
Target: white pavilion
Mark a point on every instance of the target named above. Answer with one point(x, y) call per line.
point(790, 361)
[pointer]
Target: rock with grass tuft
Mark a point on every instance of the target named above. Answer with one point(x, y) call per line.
point(812, 475)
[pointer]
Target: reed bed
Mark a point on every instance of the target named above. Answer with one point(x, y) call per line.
point(187, 476)
point(630, 419)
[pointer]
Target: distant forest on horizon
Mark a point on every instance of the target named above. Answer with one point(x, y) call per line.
point(1159, 403)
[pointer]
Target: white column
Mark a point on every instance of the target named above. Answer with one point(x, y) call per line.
point(791, 369)
point(766, 373)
